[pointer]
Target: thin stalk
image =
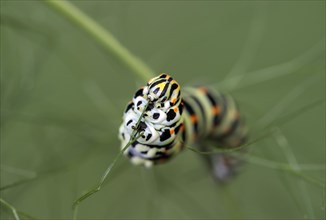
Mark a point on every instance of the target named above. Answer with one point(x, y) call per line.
point(103, 37)
point(282, 167)
point(272, 165)
point(133, 137)
point(285, 146)
point(8, 206)
point(98, 187)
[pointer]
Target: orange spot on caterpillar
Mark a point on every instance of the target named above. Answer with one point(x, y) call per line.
point(216, 110)
point(175, 110)
point(174, 100)
point(193, 118)
point(172, 131)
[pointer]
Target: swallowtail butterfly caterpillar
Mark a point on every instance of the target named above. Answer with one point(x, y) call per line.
point(173, 119)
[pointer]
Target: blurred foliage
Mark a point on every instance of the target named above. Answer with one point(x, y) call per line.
point(62, 98)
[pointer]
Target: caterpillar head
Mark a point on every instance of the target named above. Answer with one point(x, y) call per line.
point(158, 88)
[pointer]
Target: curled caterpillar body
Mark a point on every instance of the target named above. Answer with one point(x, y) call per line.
point(161, 124)
point(173, 119)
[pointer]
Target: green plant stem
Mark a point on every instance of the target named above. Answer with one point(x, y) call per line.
point(10, 207)
point(133, 137)
point(103, 37)
point(269, 164)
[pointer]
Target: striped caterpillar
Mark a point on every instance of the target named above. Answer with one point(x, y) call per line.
point(173, 119)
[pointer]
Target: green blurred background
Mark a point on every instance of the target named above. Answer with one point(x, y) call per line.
point(63, 95)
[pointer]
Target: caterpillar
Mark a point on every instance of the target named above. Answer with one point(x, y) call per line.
point(173, 119)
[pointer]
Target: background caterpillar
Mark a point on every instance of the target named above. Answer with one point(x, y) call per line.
point(174, 119)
